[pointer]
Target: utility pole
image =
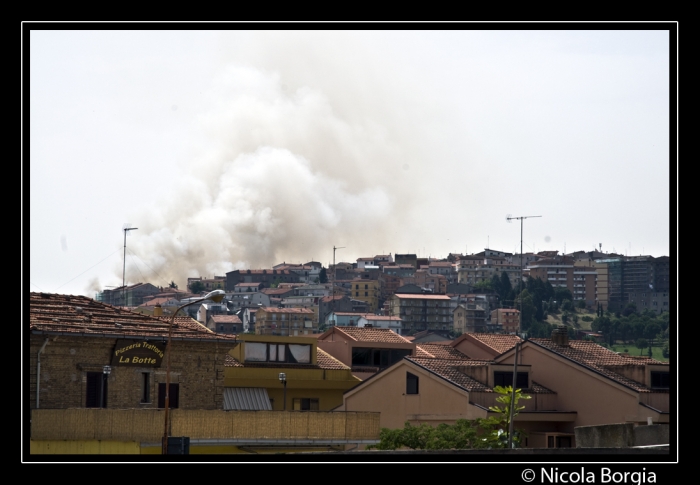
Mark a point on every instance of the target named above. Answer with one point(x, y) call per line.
point(126, 228)
point(520, 330)
point(335, 273)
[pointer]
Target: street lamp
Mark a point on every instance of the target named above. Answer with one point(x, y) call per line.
point(105, 374)
point(215, 296)
point(283, 380)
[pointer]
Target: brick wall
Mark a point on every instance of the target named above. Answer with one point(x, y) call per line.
point(198, 367)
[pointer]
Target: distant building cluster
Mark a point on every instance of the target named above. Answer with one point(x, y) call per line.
point(414, 294)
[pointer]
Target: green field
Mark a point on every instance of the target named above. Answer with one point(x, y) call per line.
point(633, 350)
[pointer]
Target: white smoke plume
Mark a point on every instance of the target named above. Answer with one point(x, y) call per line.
point(297, 160)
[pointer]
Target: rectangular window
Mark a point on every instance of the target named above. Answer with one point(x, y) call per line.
point(660, 380)
point(305, 404)
point(505, 379)
point(292, 353)
point(174, 395)
point(411, 383)
point(377, 357)
point(96, 390)
point(145, 387)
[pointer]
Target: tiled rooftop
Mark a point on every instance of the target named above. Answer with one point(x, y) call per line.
point(226, 319)
point(449, 370)
point(270, 309)
point(599, 359)
point(416, 296)
point(498, 342)
point(275, 291)
point(363, 334)
point(84, 316)
point(437, 351)
point(156, 301)
point(381, 318)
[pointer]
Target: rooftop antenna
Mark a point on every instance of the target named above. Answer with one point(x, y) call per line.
point(125, 228)
point(509, 218)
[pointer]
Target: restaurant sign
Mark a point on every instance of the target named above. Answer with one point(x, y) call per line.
point(139, 353)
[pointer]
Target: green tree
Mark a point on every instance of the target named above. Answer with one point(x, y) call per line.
point(581, 304)
point(641, 344)
point(463, 434)
point(528, 308)
point(323, 276)
point(483, 286)
point(603, 325)
point(629, 309)
point(567, 305)
point(197, 287)
point(561, 294)
point(505, 286)
point(496, 428)
point(172, 285)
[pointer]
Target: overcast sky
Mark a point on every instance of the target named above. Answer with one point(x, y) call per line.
point(235, 150)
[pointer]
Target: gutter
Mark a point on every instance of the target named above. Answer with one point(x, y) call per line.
point(38, 370)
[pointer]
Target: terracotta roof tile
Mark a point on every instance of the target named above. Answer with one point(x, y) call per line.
point(420, 296)
point(498, 342)
point(226, 319)
point(363, 334)
point(270, 309)
point(599, 359)
point(81, 315)
point(449, 370)
point(437, 351)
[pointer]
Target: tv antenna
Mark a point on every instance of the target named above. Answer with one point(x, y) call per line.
point(510, 218)
point(126, 228)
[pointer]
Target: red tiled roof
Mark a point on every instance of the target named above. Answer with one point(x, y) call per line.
point(599, 359)
point(363, 334)
point(449, 370)
point(155, 301)
point(382, 318)
point(417, 296)
point(438, 351)
point(226, 319)
point(80, 315)
point(270, 309)
point(498, 342)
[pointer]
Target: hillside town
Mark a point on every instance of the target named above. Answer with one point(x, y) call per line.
point(377, 344)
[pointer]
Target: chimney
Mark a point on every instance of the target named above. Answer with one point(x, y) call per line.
point(560, 336)
point(157, 310)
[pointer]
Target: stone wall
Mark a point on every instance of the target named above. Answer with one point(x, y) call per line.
point(197, 366)
point(624, 435)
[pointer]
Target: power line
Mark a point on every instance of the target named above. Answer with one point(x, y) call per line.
point(154, 271)
point(64, 284)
